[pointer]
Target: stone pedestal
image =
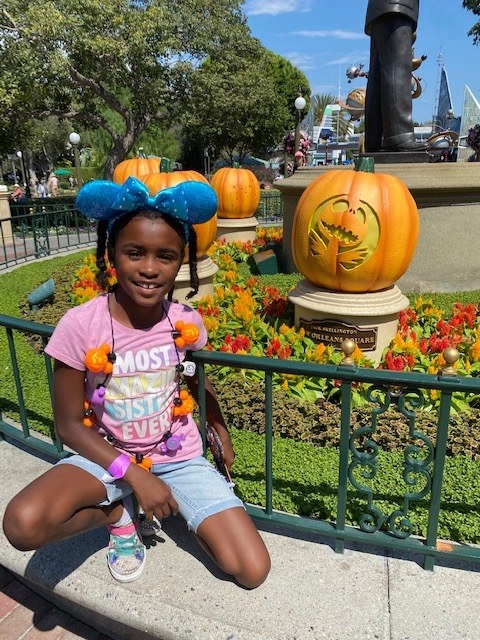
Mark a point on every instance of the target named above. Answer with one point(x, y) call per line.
point(242, 229)
point(206, 269)
point(447, 195)
point(371, 319)
point(6, 236)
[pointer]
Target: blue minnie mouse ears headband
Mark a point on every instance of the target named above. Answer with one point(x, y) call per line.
point(189, 202)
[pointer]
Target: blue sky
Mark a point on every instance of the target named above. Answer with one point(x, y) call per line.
point(324, 37)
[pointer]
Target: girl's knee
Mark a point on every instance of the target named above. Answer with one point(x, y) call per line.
point(23, 524)
point(253, 573)
point(249, 569)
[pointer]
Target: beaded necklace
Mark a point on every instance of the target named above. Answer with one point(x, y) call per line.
point(101, 360)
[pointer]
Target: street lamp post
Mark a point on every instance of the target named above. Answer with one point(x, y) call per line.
point(300, 103)
point(75, 141)
point(22, 172)
point(25, 175)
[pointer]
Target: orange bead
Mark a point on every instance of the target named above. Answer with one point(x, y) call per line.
point(189, 333)
point(146, 463)
point(96, 359)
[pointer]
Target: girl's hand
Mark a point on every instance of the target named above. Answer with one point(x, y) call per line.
point(152, 494)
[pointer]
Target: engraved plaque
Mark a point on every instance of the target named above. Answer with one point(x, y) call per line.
point(333, 333)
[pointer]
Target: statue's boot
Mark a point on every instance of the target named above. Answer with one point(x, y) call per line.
point(403, 142)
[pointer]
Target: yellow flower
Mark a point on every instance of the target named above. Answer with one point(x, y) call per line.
point(474, 351)
point(211, 324)
point(434, 394)
point(320, 351)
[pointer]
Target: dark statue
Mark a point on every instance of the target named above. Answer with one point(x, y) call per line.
point(391, 25)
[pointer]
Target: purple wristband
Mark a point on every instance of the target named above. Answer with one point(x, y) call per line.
point(119, 466)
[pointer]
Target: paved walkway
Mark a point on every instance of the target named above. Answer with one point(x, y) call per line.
point(25, 615)
point(312, 593)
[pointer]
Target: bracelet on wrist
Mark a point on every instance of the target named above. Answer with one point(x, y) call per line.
point(119, 466)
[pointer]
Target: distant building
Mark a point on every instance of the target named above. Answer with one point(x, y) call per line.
point(470, 117)
point(444, 118)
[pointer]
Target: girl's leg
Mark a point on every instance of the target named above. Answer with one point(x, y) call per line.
point(233, 542)
point(57, 505)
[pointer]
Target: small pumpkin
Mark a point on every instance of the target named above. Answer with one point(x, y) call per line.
point(355, 230)
point(206, 231)
point(135, 167)
point(238, 192)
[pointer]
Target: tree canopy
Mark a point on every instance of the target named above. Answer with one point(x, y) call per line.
point(244, 104)
point(474, 7)
point(78, 59)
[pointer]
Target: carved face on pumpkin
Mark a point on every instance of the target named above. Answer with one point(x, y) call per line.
point(343, 233)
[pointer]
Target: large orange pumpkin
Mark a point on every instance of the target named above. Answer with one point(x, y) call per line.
point(238, 192)
point(206, 231)
point(135, 167)
point(355, 231)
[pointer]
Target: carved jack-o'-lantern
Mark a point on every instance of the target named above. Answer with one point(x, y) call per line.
point(355, 231)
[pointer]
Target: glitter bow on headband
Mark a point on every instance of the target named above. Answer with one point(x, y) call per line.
point(189, 202)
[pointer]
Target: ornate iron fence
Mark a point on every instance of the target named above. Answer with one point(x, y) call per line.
point(359, 461)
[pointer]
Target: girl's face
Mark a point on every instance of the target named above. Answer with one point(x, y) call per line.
point(147, 255)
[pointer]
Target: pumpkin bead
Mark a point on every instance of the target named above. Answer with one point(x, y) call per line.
point(185, 333)
point(98, 360)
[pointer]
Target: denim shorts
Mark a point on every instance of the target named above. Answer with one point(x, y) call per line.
point(199, 489)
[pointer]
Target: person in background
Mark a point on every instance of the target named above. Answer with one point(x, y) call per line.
point(53, 185)
point(17, 194)
point(41, 189)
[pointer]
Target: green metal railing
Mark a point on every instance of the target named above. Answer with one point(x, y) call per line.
point(424, 459)
point(270, 208)
point(43, 231)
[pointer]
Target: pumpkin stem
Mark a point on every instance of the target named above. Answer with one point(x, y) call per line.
point(365, 163)
point(166, 165)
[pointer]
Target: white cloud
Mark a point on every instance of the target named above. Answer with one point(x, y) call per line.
point(275, 7)
point(335, 33)
point(301, 60)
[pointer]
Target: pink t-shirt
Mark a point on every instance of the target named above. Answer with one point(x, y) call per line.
point(139, 394)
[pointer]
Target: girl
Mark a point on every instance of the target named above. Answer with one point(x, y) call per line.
point(118, 402)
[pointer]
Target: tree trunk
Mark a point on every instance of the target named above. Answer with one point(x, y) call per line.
point(122, 145)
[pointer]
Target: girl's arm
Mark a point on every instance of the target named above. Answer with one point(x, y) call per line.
point(214, 416)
